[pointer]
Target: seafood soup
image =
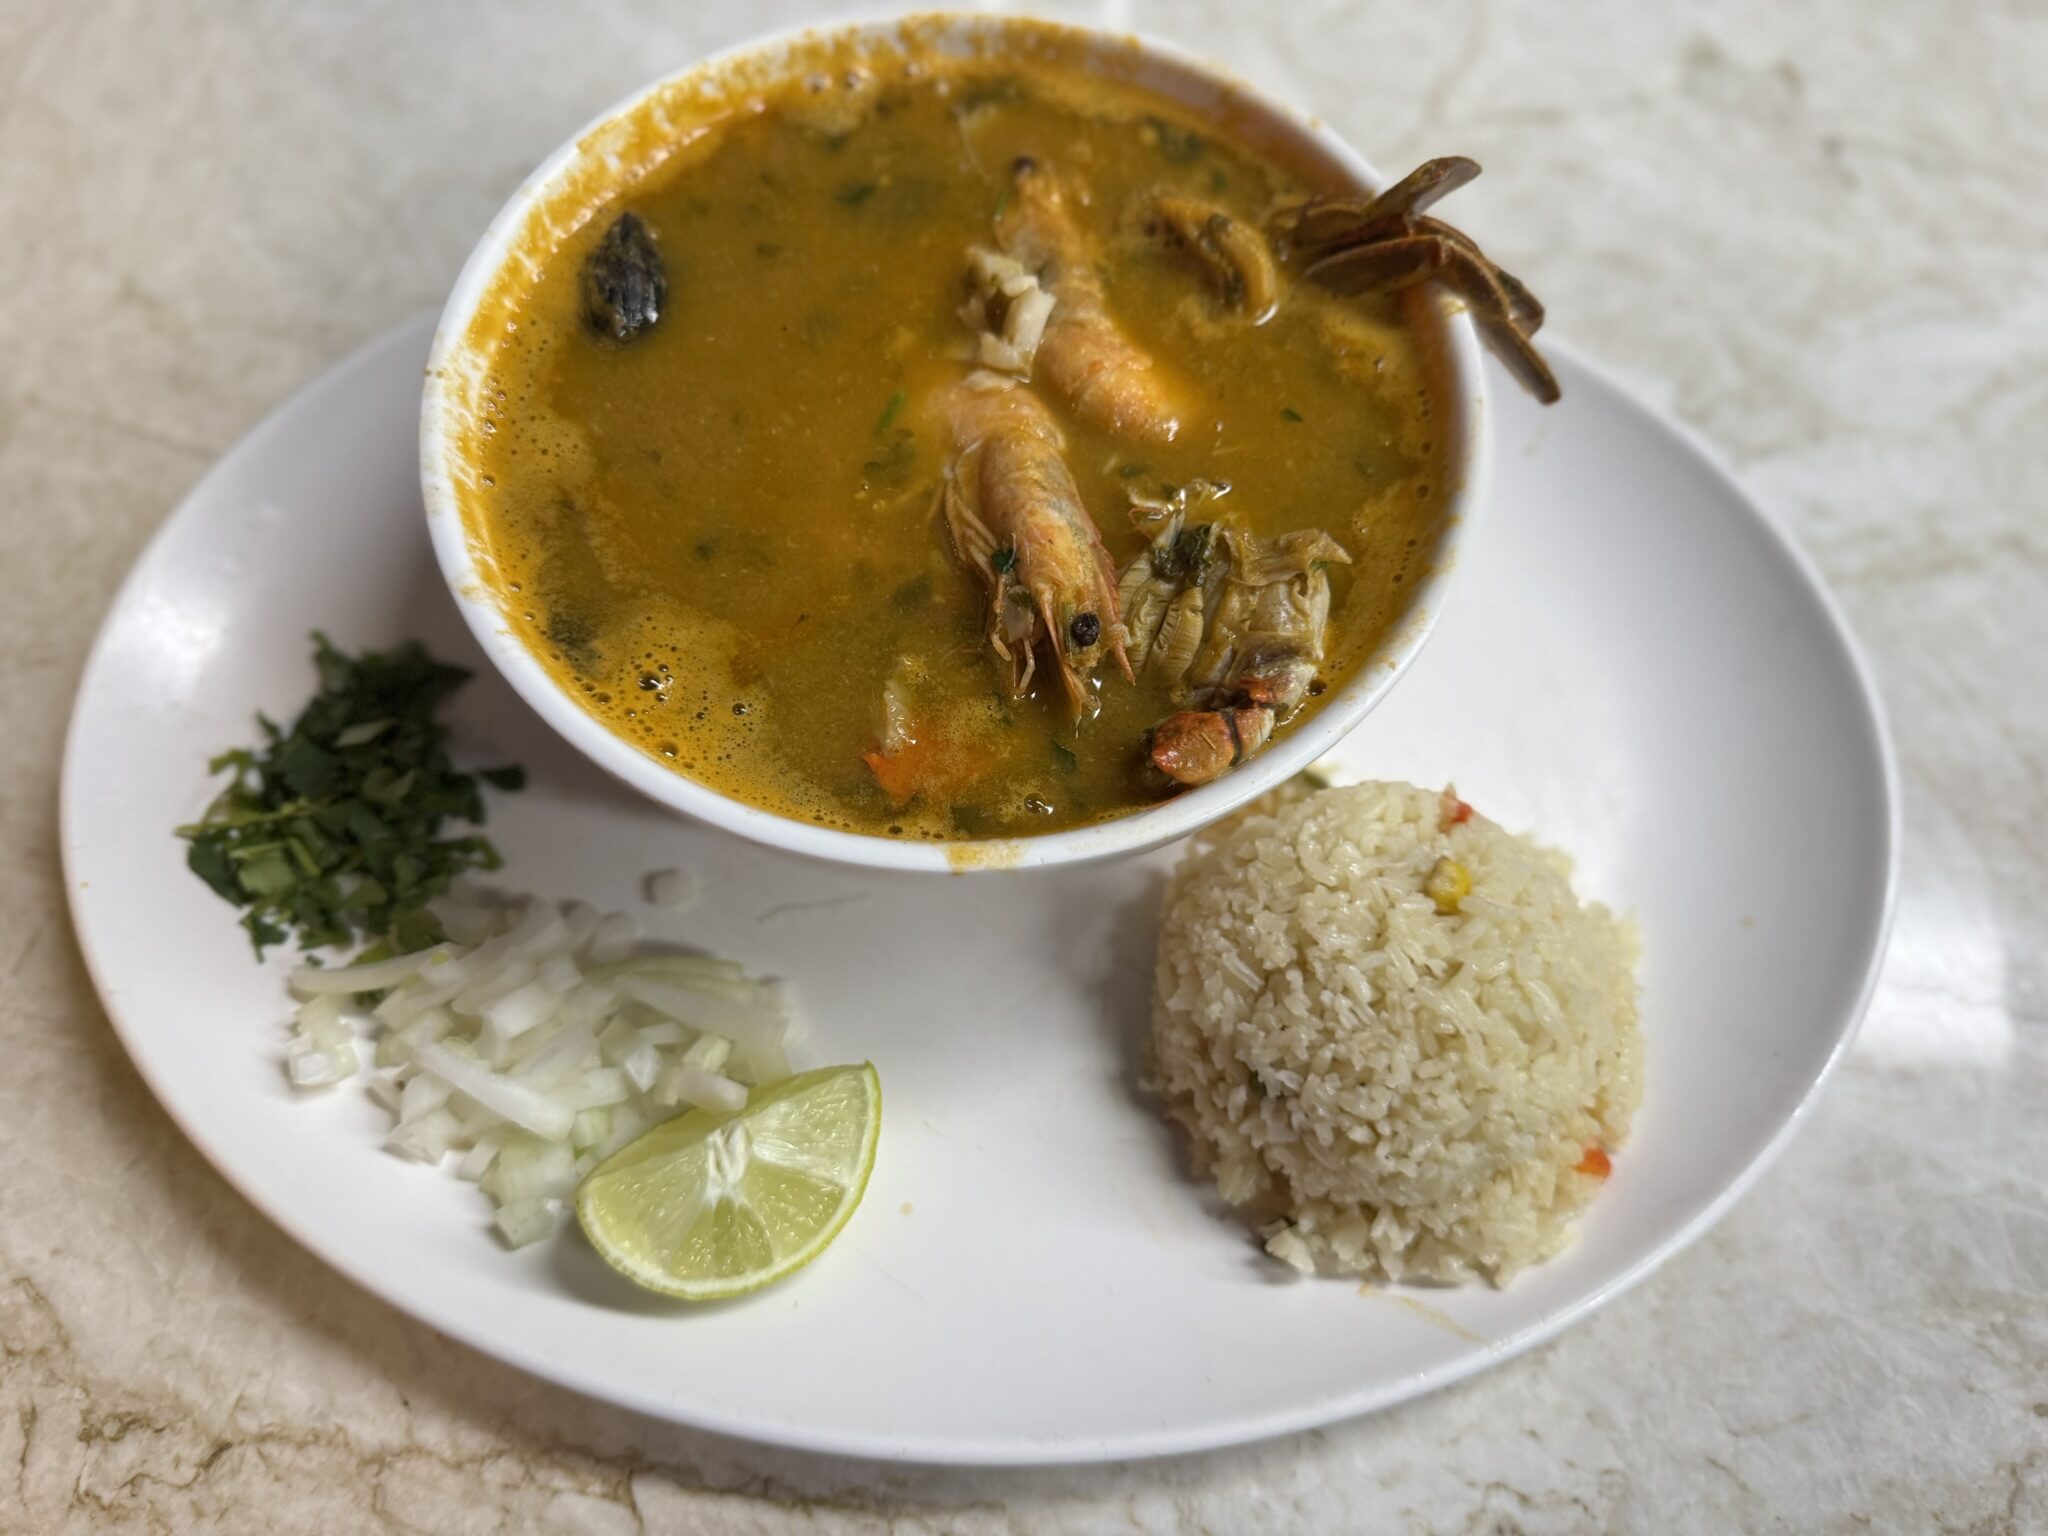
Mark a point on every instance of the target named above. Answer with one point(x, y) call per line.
point(951, 446)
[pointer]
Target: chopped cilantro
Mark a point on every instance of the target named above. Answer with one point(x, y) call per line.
point(889, 412)
point(330, 832)
point(893, 461)
point(1177, 145)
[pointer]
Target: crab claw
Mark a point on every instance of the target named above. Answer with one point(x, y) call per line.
point(1197, 746)
point(1387, 243)
point(1496, 307)
point(1328, 223)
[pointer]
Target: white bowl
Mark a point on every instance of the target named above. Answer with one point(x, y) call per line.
point(617, 147)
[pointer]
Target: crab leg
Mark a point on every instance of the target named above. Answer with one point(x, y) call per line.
point(1386, 265)
point(1422, 187)
point(1332, 224)
point(1526, 308)
point(1387, 243)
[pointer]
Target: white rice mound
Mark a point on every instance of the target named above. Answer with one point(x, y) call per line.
point(1397, 1092)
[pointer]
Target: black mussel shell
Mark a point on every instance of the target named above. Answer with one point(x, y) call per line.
point(624, 282)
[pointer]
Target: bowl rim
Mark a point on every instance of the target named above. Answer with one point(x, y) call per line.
point(1464, 418)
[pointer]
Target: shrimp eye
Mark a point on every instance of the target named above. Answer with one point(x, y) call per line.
point(1023, 165)
point(1086, 629)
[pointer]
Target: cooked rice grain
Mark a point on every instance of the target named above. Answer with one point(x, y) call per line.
point(1405, 1092)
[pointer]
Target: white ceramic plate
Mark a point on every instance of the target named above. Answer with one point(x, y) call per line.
point(1636, 664)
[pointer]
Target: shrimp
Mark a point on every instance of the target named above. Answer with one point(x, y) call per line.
point(1107, 379)
point(1017, 521)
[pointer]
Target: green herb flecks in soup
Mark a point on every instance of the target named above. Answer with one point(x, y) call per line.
point(952, 455)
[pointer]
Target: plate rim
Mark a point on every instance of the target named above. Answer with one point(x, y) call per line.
point(412, 335)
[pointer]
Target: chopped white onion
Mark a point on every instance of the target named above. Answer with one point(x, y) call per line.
point(531, 1169)
point(506, 974)
point(422, 1095)
point(524, 1221)
point(322, 1012)
point(671, 888)
point(562, 1055)
point(589, 1003)
point(384, 1089)
point(591, 1128)
point(708, 1053)
point(642, 1065)
point(425, 1140)
point(434, 1024)
point(513, 1013)
point(614, 937)
point(703, 1090)
point(476, 1120)
point(756, 1026)
point(535, 1043)
point(598, 1088)
point(428, 990)
point(324, 1035)
point(476, 1162)
point(524, 1106)
point(581, 919)
point(312, 980)
point(559, 975)
point(310, 1066)
point(616, 1039)
point(628, 1122)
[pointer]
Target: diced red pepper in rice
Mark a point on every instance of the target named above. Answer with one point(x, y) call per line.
point(1455, 812)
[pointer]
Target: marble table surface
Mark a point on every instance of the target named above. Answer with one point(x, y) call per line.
point(1813, 232)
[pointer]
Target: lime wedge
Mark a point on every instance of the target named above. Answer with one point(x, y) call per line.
point(709, 1205)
